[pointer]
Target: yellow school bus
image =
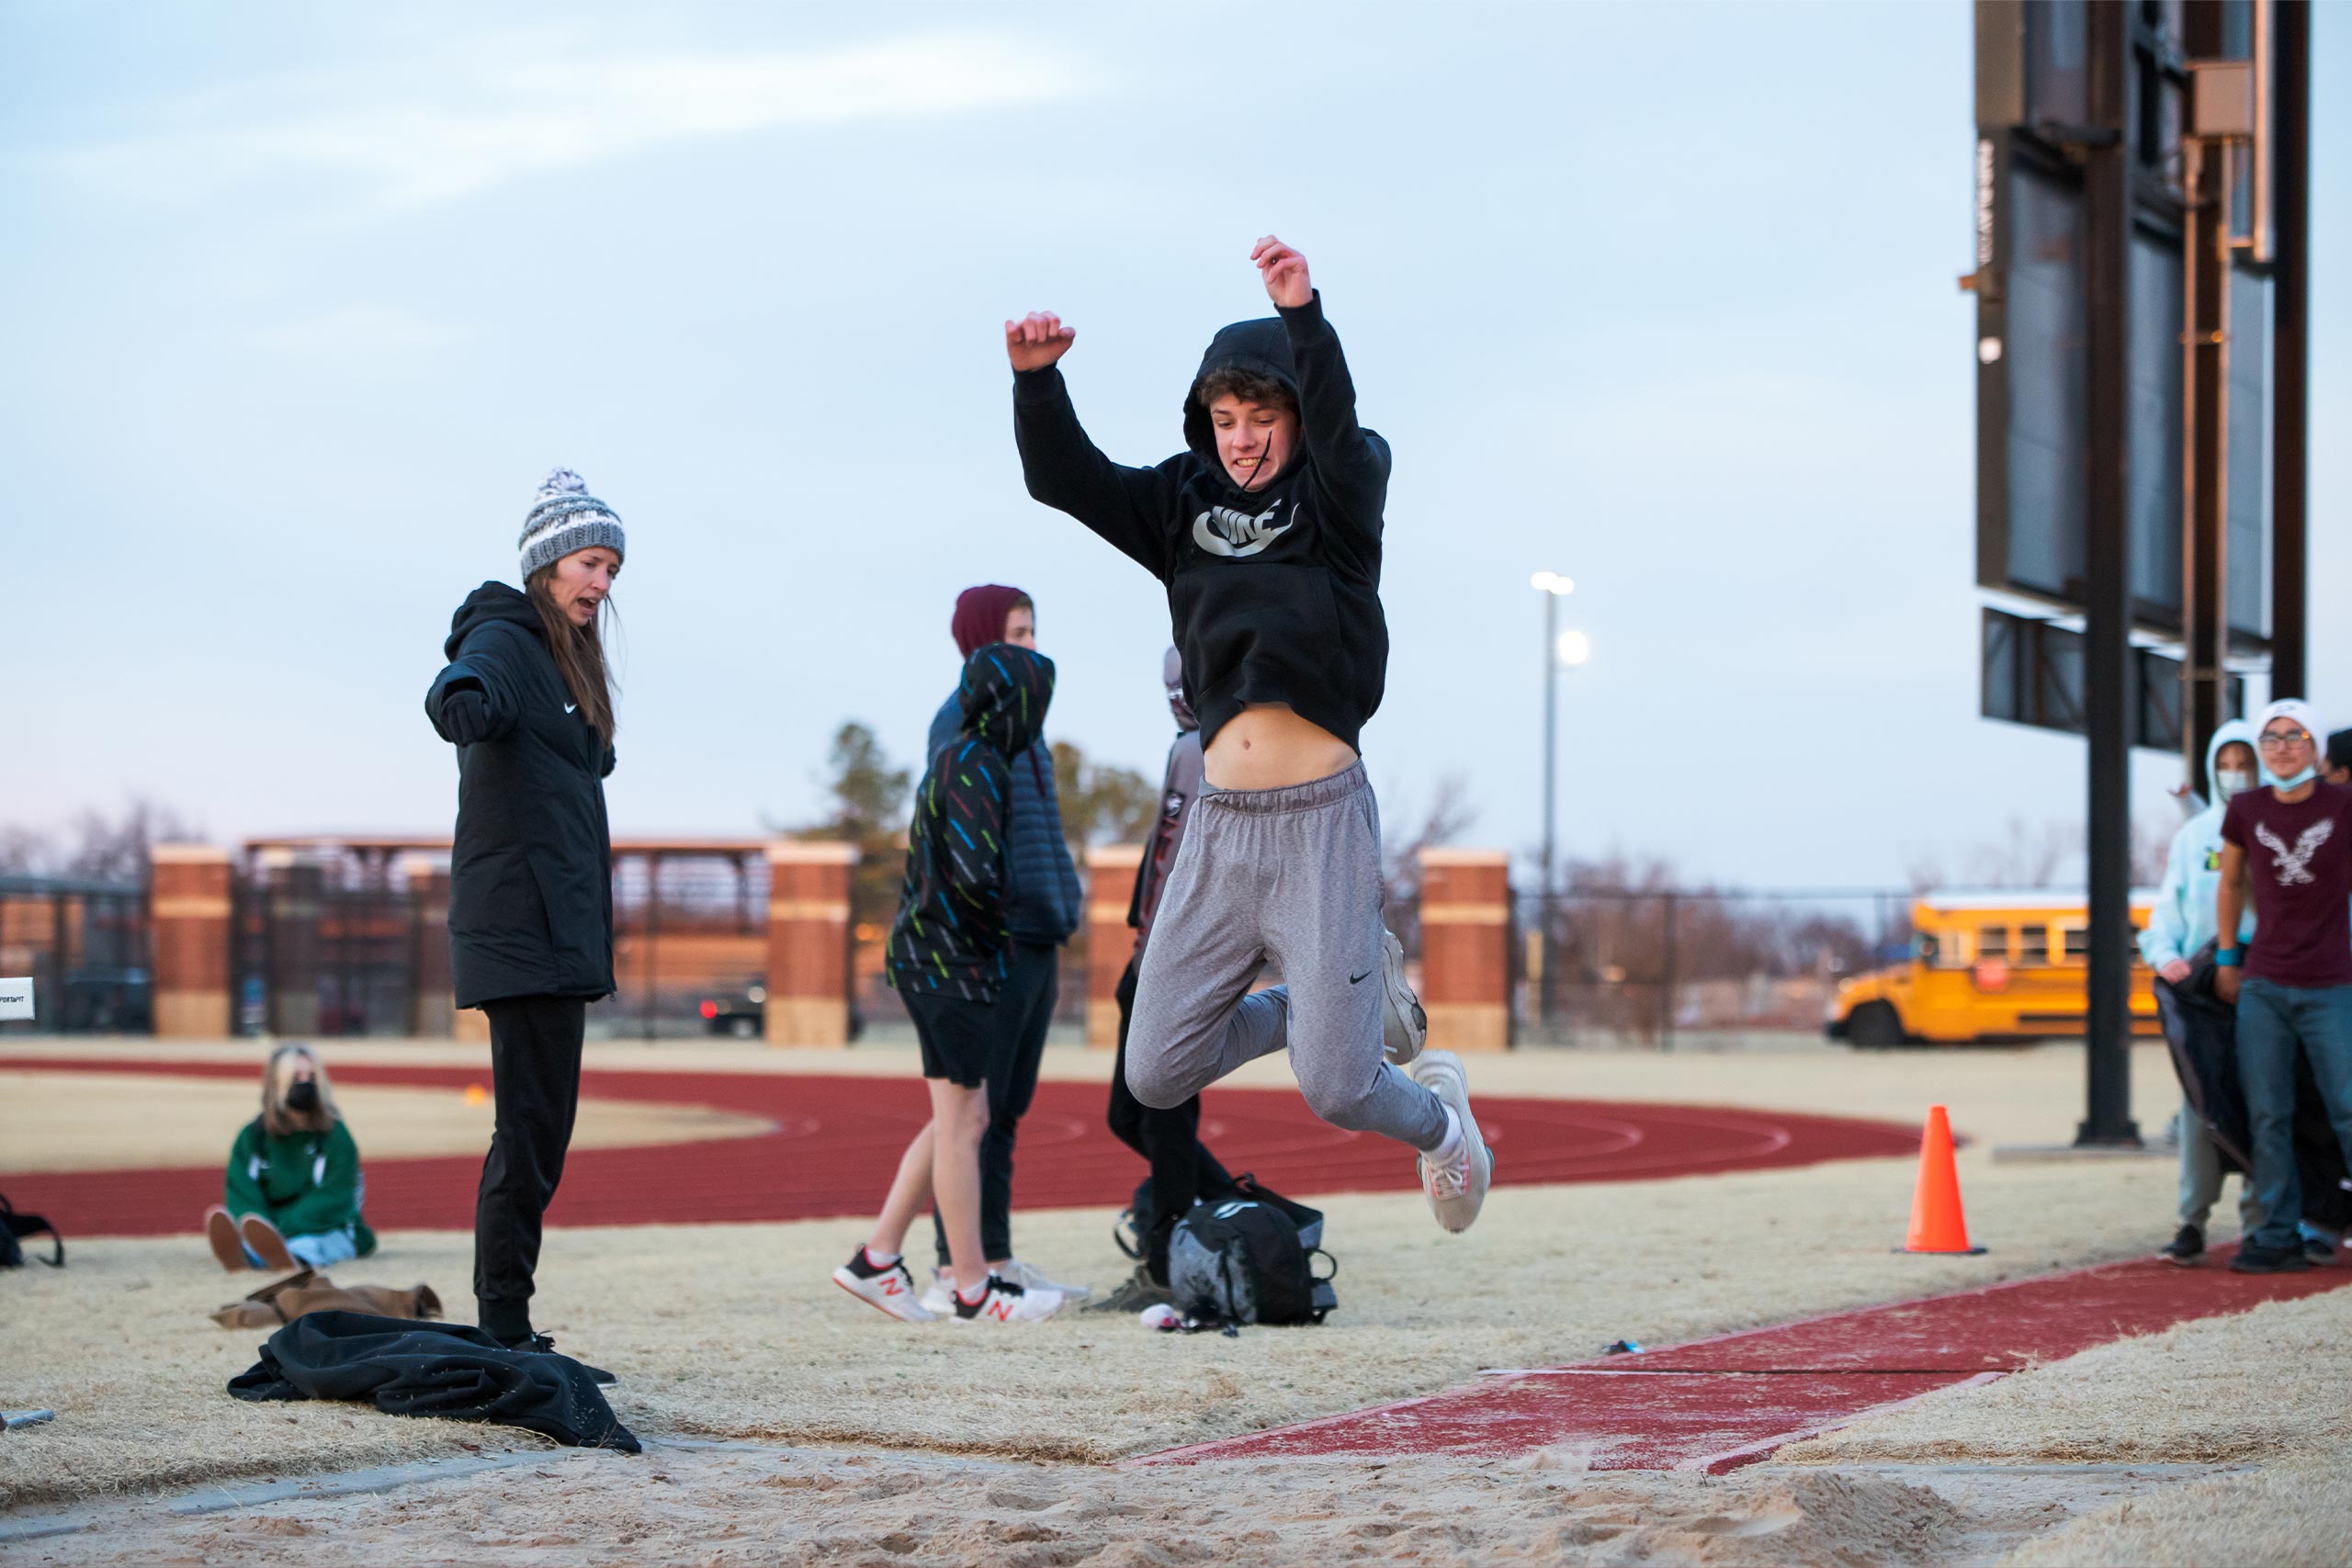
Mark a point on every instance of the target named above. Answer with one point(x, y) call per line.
point(1987, 967)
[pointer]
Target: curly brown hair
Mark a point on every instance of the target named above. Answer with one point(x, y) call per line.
point(1249, 386)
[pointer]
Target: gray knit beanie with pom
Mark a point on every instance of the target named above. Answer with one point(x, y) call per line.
point(565, 517)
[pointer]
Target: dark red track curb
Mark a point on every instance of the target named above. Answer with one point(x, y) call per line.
point(1715, 1404)
point(836, 1139)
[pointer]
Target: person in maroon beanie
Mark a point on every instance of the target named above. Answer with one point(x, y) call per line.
point(1042, 909)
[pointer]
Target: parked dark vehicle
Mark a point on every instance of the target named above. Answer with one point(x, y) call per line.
point(109, 1001)
point(743, 1016)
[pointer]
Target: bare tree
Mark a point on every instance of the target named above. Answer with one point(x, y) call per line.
point(95, 846)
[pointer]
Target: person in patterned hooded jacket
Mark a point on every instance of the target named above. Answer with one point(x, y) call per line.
point(947, 957)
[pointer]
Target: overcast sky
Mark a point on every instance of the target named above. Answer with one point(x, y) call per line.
point(298, 303)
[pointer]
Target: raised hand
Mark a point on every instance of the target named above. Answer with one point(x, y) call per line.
point(1284, 272)
point(1037, 340)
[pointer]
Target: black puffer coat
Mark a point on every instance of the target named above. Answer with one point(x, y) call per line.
point(531, 877)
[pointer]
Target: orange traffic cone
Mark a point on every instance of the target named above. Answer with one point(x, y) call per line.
point(1937, 1225)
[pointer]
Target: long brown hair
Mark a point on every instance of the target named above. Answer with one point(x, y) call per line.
point(579, 652)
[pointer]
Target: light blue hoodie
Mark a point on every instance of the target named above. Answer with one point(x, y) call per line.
point(2182, 921)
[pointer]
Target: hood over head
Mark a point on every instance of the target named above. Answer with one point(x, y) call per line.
point(492, 602)
point(980, 615)
point(1262, 345)
point(2235, 729)
point(1004, 693)
point(1172, 676)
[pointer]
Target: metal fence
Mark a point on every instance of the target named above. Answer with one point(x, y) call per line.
point(85, 945)
point(349, 937)
point(1694, 968)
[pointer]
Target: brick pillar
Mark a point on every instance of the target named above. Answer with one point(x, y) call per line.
point(188, 915)
point(809, 943)
point(432, 1009)
point(1109, 885)
point(1466, 942)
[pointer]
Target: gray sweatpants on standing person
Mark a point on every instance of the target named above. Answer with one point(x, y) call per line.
point(1291, 874)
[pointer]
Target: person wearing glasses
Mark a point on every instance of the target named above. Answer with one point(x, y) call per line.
point(2289, 846)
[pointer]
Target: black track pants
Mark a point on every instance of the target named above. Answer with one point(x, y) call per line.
point(1025, 1009)
point(535, 1069)
point(1182, 1169)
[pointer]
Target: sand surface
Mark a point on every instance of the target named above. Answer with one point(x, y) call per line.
point(817, 1506)
point(853, 1439)
point(95, 1121)
point(738, 1332)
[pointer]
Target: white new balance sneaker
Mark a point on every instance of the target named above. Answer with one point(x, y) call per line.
point(1033, 1278)
point(890, 1288)
point(1404, 1025)
point(1006, 1301)
point(1456, 1187)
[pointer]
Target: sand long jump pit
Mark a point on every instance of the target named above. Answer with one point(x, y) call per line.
point(786, 1423)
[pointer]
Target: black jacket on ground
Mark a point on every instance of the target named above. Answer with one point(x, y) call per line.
point(531, 873)
point(950, 938)
point(1274, 593)
point(449, 1369)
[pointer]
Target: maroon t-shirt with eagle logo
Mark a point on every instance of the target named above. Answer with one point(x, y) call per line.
point(2299, 858)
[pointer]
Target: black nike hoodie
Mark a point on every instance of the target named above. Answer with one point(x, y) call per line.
point(1274, 593)
point(531, 873)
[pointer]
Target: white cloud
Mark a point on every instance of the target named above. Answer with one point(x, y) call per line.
point(399, 144)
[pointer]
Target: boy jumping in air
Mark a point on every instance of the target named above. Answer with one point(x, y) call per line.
point(1266, 533)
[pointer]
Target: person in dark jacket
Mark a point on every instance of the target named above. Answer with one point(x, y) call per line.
point(1041, 909)
point(292, 1193)
point(1182, 1169)
point(949, 956)
point(1266, 533)
point(527, 699)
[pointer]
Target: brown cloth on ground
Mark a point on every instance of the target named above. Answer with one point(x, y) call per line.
point(310, 1290)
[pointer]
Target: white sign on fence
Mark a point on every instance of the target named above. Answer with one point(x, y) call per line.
point(16, 998)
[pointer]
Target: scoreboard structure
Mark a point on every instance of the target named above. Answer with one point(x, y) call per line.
point(2142, 201)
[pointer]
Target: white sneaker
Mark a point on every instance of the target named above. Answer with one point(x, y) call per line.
point(1404, 1025)
point(891, 1289)
point(1033, 1279)
point(1006, 1301)
point(1456, 1188)
point(940, 1299)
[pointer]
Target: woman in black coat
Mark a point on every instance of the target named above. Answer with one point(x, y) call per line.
point(527, 699)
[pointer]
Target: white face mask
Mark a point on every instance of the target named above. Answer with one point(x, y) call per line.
point(2228, 781)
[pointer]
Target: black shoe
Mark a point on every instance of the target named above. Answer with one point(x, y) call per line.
point(2185, 1248)
point(540, 1344)
point(2319, 1251)
point(1135, 1293)
point(2255, 1259)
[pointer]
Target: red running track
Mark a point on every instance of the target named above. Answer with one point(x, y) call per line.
point(835, 1141)
point(1718, 1403)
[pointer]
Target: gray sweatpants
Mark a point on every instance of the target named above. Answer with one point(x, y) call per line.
point(1291, 874)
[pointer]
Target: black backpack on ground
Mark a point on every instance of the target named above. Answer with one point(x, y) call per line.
point(15, 1227)
point(1249, 1259)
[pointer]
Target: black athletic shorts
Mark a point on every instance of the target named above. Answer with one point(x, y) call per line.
point(959, 1038)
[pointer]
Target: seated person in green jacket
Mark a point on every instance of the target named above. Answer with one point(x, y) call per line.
point(294, 1187)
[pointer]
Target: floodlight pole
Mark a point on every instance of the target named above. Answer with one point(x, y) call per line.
point(2107, 153)
point(1544, 987)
